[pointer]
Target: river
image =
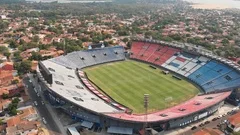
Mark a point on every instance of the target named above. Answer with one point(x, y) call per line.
point(217, 3)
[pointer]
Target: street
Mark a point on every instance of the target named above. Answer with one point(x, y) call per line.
point(42, 109)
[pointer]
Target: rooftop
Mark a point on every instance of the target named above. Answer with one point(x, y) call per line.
point(235, 119)
point(65, 84)
point(209, 131)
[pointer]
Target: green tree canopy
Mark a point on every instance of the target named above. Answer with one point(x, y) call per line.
point(23, 67)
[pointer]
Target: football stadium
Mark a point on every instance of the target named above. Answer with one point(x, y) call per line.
point(104, 87)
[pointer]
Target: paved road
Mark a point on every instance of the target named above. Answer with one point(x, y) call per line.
point(42, 109)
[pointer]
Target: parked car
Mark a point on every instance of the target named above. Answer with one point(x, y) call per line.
point(35, 102)
point(201, 125)
point(193, 128)
point(35, 90)
point(214, 119)
point(207, 122)
point(44, 121)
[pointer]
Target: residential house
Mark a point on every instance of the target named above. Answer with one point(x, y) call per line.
point(3, 58)
point(209, 131)
point(28, 53)
point(4, 104)
point(24, 123)
point(51, 52)
point(47, 40)
point(25, 39)
point(6, 77)
point(12, 90)
point(234, 122)
point(28, 113)
point(24, 128)
point(34, 65)
point(7, 66)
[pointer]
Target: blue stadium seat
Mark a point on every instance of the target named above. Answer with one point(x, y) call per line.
point(213, 75)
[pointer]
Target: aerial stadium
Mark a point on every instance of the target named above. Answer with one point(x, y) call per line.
point(104, 87)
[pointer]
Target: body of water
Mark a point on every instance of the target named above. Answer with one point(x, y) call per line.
point(71, 1)
point(223, 3)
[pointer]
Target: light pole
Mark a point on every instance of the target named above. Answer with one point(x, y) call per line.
point(146, 101)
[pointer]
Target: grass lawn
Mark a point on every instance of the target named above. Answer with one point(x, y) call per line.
point(127, 81)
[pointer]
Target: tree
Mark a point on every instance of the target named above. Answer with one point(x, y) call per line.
point(105, 43)
point(236, 133)
point(12, 107)
point(1, 121)
point(129, 44)
point(123, 33)
point(176, 37)
point(36, 56)
point(225, 41)
point(125, 40)
point(21, 42)
point(188, 29)
point(4, 96)
point(148, 34)
point(15, 100)
point(35, 38)
point(12, 44)
point(7, 54)
point(13, 111)
point(23, 67)
point(17, 56)
point(15, 81)
point(3, 49)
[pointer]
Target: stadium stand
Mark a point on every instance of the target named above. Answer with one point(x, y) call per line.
point(61, 60)
point(136, 48)
point(75, 59)
point(180, 63)
point(153, 53)
point(87, 58)
point(207, 73)
point(184, 64)
point(224, 79)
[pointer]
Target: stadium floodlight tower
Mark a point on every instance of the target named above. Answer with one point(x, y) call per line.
point(146, 101)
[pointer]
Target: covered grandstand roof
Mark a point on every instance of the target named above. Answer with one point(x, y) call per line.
point(67, 85)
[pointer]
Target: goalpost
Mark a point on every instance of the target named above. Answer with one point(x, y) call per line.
point(167, 101)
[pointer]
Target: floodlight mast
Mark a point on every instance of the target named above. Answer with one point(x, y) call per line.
point(146, 102)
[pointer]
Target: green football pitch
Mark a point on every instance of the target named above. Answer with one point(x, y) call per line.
point(127, 81)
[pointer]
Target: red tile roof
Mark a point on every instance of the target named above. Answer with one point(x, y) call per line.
point(209, 131)
point(235, 119)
